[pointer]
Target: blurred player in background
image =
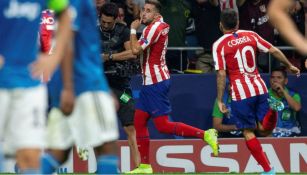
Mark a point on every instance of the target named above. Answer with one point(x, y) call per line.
point(23, 98)
point(279, 17)
point(234, 55)
point(153, 101)
point(85, 97)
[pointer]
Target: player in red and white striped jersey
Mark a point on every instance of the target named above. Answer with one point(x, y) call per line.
point(47, 27)
point(153, 101)
point(153, 63)
point(235, 55)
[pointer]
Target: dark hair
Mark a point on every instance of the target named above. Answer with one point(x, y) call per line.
point(156, 3)
point(109, 9)
point(229, 19)
point(281, 69)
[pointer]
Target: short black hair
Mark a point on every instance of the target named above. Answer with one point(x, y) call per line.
point(229, 19)
point(281, 69)
point(156, 3)
point(109, 9)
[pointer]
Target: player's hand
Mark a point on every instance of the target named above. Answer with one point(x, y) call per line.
point(44, 67)
point(136, 24)
point(278, 88)
point(306, 63)
point(67, 102)
point(222, 107)
point(1, 61)
point(295, 70)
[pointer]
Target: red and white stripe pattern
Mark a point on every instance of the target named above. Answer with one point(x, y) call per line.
point(236, 53)
point(154, 44)
point(47, 27)
point(228, 4)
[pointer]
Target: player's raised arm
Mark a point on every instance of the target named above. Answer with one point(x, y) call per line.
point(278, 13)
point(135, 46)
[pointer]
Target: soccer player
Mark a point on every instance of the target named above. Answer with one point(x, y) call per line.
point(279, 17)
point(85, 97)
point(153, 101)
point(234, 55)
point(23, 98)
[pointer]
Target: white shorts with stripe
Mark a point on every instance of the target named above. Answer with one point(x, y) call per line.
point(92, 123)
point(23, 118)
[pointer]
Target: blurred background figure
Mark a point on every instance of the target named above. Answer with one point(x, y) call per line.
point(207, 16)
point(253, 16)
point(288, 118)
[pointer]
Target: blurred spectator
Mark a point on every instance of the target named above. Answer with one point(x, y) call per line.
point(207, 19)
point(230, 4)
point(121, 14)
point(253, 16)
point(175, 13)
point(139, 3)
point(297, 14)
point(287, 122)
point(225, 123)
point(99, 4)
point(132, 10)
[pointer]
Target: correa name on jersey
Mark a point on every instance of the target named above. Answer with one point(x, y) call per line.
point(238, 41)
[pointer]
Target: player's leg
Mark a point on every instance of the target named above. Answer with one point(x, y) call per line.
point(94, 123)
point(126, 117)
point(163, 125)
point(59, 142)
point(4, 103)
point(28, 115)
point(266, 116)
point(245, 114)
point(131, 137)
point(255, 148)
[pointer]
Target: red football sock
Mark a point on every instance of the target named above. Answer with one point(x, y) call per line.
point(165, 126)
point(256, 150)
point(269, 120)
point(142, 134)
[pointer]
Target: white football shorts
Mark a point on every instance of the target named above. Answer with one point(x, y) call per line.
point(23, 118)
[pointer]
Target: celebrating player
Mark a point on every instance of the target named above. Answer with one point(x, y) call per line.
point(234, 55)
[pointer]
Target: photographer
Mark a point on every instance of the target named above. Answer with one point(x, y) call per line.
point(120, 64)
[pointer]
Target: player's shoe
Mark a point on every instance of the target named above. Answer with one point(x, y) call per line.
point(275, 104)
point(142, 169)
point(210, 137)
point(271, 172)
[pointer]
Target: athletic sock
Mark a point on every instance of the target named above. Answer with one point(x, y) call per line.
point(165, 126)
point(49, 164)
point(269, 120)
point(256, 150)
point(107, 164)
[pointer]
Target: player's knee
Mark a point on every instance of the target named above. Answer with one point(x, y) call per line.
point(130, 130)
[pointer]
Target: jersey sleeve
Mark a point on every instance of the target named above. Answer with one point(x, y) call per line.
point(58, 5)
point(126, 34)
point(218, 56)
point(150, 36)
point(262, 44)
point(297, 97)
point(216, 113)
